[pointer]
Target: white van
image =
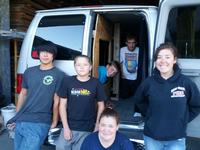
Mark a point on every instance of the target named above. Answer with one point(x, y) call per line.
point(99, 32)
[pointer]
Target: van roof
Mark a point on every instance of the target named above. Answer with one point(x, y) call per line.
point(97, 7)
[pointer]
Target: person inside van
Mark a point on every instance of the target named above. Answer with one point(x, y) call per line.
point(108, 71)
point(129, 59)
point(37, 101)
point(168, 100)
point(81, 103)
point(108, 137)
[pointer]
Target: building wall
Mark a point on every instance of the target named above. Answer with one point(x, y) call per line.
point(5, 51)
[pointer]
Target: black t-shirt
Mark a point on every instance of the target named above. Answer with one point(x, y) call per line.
point(82, 98)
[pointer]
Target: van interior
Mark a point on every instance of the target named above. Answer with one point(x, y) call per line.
point(111, 29)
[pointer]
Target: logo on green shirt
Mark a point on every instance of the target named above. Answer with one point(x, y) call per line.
point(48, 80)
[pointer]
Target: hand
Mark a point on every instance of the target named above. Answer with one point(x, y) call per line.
point(53, 125)
point(11, 126)
point(67, 134)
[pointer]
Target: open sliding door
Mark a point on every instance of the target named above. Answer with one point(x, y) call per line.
point(102, 36)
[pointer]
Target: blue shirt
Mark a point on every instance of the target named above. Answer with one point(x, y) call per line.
point(121, 142)
point(102, 74)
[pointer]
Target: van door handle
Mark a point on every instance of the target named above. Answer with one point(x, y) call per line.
point(192, 74)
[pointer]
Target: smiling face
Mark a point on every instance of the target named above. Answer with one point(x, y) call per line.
point(107, 128)
point(165, 61)
point(111, 70)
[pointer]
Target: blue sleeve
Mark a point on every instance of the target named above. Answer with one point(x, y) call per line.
point(89, 142)
point(128, 145)
point(141, 98)
point(193, 101)
point(102, 74)
point(85, 144)
point(125, 143)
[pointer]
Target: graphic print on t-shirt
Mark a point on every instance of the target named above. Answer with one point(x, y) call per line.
point(47, 80)
point(131, 62)
point(80, 91)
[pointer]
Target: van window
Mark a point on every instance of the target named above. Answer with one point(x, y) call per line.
point(65, 31)
point(183, 29)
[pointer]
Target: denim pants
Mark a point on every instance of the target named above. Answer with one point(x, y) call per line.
point(152, 144)
point(73, 144)
point(29, 135)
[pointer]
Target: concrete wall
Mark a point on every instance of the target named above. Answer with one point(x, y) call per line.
point(5, 73)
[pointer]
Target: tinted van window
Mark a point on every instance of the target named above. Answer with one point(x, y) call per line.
point(183, 29)
point(66, 32)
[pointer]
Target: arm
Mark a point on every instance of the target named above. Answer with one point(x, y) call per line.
point(21, 99)
point(63, 116)
point(194, 103)
point(55, 111)
point(141, 99)
point(100, 107)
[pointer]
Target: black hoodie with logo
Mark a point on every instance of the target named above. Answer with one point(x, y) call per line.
point(168, 105)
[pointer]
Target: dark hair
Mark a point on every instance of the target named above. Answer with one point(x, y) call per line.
point(47, 46)
point(116, 64)
point(109, 112)
point(130, 37)
point(167, 45)
point(82, 56)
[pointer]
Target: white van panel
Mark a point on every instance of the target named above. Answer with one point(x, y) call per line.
point(190, 67)
point(26, 59)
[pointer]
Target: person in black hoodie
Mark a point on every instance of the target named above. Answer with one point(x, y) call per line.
point(168, 100)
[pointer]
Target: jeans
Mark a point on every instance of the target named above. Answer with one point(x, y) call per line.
point(29, 135)
point(152, 144)
point(73, 144)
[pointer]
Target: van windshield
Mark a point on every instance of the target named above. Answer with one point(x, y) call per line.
point(65, 31)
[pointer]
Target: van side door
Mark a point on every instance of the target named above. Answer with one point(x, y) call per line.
point(179, 23)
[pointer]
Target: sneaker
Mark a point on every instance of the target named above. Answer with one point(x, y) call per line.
point(136, 114)
point(137, 118)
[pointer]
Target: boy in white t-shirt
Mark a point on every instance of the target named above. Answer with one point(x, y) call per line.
point(129, 58)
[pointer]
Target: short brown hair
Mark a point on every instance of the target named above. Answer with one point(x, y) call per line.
point(110, 112)
point(116, 64)
point(166, 45)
